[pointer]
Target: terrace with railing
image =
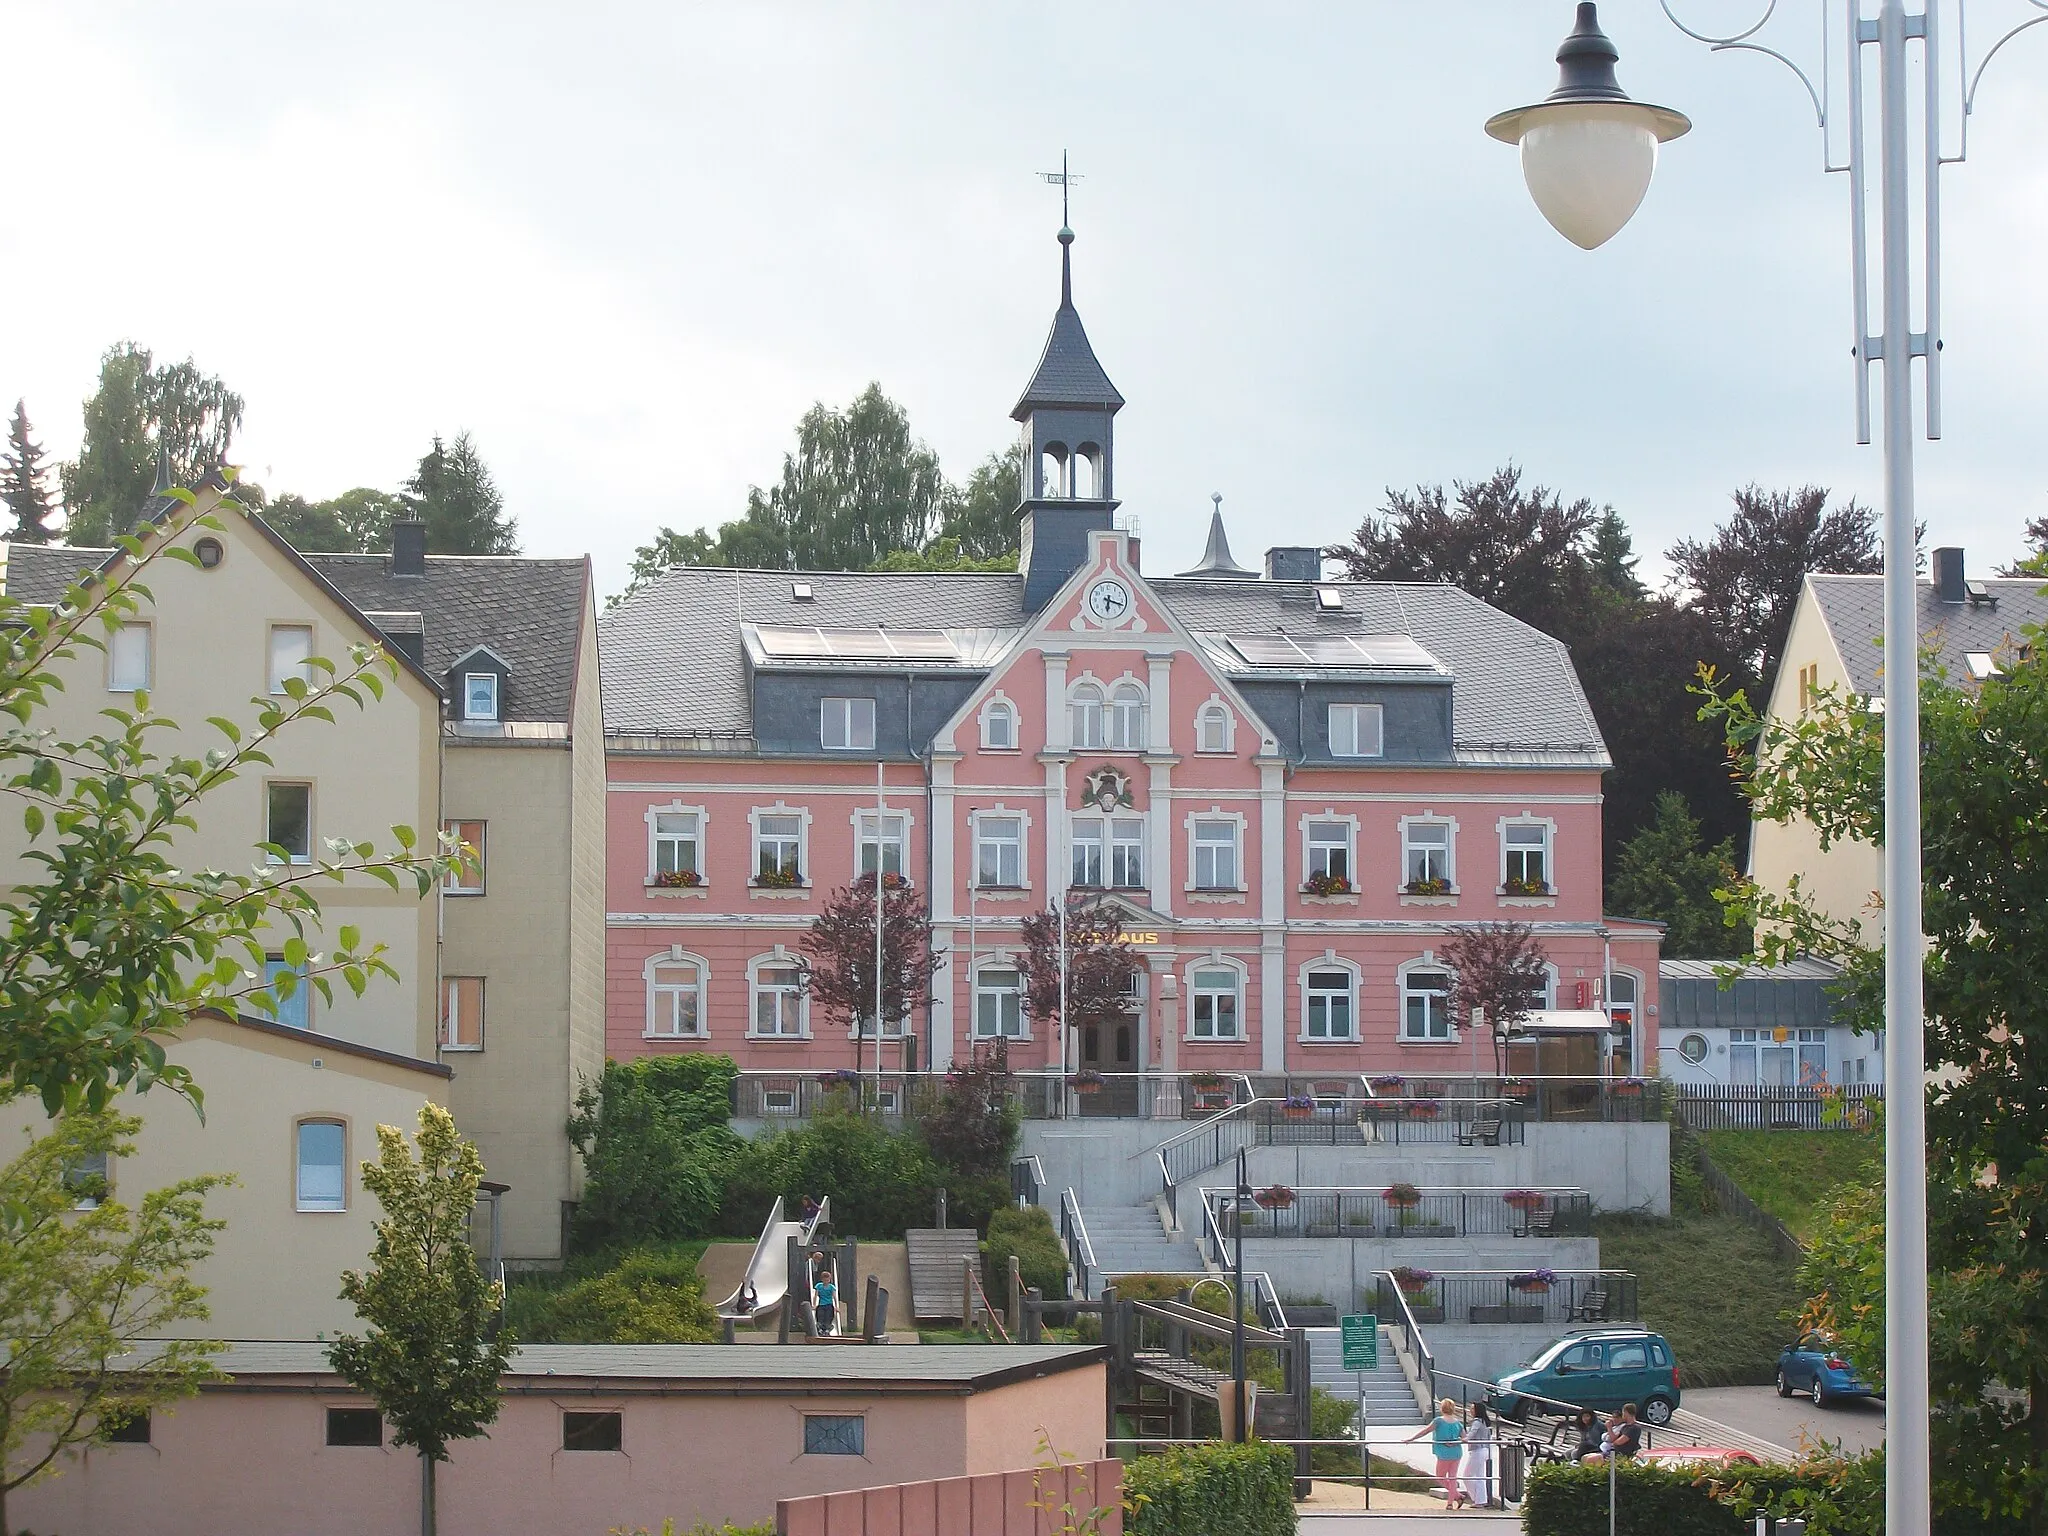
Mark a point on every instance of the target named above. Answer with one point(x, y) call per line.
point(1557, 1298)
point(1404, 1211)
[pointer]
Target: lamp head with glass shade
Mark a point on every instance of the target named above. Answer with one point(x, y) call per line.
point(1588, 151)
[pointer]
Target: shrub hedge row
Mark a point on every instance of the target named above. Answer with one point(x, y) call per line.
point(1031, 1236)
point(1843, 1498)
point(1219, 1490)
point(650, 1296)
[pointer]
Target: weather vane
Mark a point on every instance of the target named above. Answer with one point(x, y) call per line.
point(1063, 179)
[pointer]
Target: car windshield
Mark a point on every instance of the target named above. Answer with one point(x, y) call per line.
point(1544, 1355)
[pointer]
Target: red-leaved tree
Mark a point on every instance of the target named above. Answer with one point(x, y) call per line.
point(839, 955)
point(1498, 969)
point(1099, 965)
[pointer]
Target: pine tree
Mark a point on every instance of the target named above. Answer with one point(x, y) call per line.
point(21, 483)
point(453, 493)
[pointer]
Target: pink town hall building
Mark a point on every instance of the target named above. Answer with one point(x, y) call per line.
point(1293, 788)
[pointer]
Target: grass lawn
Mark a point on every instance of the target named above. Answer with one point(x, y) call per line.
point(1712, 1286)
point(1790, 1173)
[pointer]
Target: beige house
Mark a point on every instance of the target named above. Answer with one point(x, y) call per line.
point(293, 1115)
point(1973, 626)
point(492, 730)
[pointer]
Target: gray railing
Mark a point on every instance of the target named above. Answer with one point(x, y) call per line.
point(1393, 1303)
point(1561, 1299)
point(1266, 1303)
point(1193, 1151)
point(1398, 1212)
point(1027, 1181)
point(1390, 1122)
point(1770, 1106)
point(1080, 1252)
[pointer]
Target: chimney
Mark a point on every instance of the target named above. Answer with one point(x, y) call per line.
point(1294, 562)
point(408, 548)
point(1949, 585)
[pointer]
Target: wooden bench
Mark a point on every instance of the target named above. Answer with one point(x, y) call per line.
point(1592, 1308)
point(1483, 1130)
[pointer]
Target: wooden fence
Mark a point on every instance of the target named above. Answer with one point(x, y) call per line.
point(1729, 1196)
point(1041, 1502)
point(1772, 1106)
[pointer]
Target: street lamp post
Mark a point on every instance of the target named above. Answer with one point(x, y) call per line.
point(1587, 154)
point(1244, 1194)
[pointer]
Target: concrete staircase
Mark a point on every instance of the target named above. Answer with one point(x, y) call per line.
point(1130, 1239)
point(1388, 1397)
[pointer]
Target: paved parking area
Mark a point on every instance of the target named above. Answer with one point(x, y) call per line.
point(1856, 1424)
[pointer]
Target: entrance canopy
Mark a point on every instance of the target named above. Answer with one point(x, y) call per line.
point(1566, 1021)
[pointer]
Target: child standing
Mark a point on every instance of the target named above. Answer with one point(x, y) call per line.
point(825, 1298)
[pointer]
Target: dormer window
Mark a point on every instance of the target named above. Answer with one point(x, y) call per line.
point(479, 695)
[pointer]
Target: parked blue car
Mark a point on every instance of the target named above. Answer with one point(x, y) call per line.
point(1814, 1367)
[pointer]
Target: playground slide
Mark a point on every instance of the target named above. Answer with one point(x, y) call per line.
point(768, 1270)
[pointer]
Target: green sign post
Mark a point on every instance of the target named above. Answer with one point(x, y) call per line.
point(1361, 1342)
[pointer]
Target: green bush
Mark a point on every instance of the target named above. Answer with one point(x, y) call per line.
point(646, 1297)
point(1836, 1498)
point(656, 1150)
point(1028, 1233)
point(1212, 1490)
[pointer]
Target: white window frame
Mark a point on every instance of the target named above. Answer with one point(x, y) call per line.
point(1087, 715)
point(659, 993)
point(292, 666)
point(118, 680)
point(468, 879)
point(312, 836)
point(999, 707)
point(450, 991)
point(803, 843)
point(1308, 846)
point(469, 698)
point(847, 716)
point(301, 1000)
point(1213, 712)
point(1001, 813)
point(323, 1205)
point(1129, 841)
point(863, 821)
point(1426, 964)
point(1548, 825)
point(1329, 962)
point(1215, 817)
point(1409, 825)
point(655, 836)
point(1357, 715)
point(778, 959)
point(1092, 831)
point(1008, 966)
point(1210, 965)
point(1125, 715)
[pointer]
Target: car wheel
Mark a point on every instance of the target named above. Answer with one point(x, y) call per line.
point(1784, 1383)
point(1820, 1398)
point(1658, 1411)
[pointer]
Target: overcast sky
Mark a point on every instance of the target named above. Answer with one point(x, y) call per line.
point(627, 245)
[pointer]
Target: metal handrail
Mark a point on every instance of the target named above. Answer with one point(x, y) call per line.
point(1266, 1301)
point(1027, 1179)
point(1418, 1346)
point(1080, 1251)
point(1421, 1189)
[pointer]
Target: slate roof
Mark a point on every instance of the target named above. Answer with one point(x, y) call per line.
point(528, 611)
point(790, 1367)
point(674, 664)
point(1853, 607)
point(1067, 371)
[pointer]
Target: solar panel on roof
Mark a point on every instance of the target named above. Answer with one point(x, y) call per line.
point(1278, 650)
point(922, 644)
point(787, 643)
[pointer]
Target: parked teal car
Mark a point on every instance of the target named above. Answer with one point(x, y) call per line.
point(1598, 1368)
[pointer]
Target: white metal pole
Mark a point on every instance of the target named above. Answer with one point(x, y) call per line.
point(1908, 1500)
point(880, 902)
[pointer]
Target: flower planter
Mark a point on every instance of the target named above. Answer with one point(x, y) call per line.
point(1212, 1100)
point(1507, 1314)
point(1299, 1114)
point(1421, 1229)
point(1321, 1229)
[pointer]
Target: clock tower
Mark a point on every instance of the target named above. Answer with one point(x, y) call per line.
point(1068, 412)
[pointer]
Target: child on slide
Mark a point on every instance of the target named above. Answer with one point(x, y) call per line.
point(825, 1299)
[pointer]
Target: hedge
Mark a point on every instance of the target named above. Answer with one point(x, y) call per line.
point(647, 1297)
point(1028, 1233)
point(1844, 1498)
point(1212, 1490)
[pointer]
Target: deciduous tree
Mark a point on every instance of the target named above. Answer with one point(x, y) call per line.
point(109, 940)
point(839, 956)
point(1985, 871)
point(432, 1353)
point(1099, 966)
point(138, 412)
point(24, 483)
point(1496, 969)
point(1745, 579)
point(355, 522)
point(87, 1295)
point(982, 513)
point(453, 493)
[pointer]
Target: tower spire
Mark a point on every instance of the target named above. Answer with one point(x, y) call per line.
point(1064, 179)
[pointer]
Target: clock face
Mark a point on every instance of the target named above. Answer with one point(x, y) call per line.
point(1109, 600)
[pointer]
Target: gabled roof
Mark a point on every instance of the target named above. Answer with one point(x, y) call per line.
point(1853, 607)
point(527, 612)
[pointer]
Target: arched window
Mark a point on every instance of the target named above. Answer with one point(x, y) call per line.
point(1126, 725)
point(1086, 714)
point(675, 995)
point(1212, 728)
point(1215, 1001)
point(1329, 1001)
point(320, 1151)
point(999, 726)
point(1052, 471)
point(779, 1009)
point(998, 1003)
point(1087, 472)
